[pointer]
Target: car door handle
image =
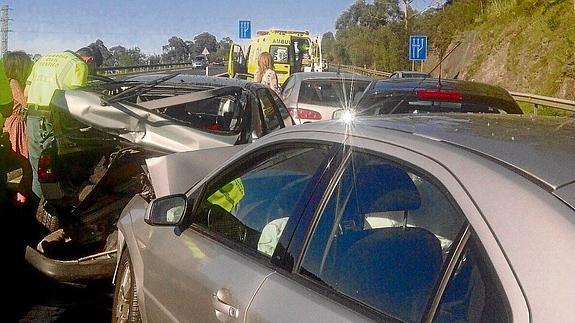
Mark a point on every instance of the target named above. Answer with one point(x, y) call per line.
point(221, 302)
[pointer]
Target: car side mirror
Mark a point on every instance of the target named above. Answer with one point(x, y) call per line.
point(167, 210)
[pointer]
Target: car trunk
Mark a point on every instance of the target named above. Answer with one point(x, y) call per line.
point(99, 156)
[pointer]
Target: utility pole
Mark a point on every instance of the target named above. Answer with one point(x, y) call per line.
point(406, 12)
point(4, 29)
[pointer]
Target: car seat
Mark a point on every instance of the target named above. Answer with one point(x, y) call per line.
point(392, 269)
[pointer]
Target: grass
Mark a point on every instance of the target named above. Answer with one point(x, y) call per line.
point(529, 108)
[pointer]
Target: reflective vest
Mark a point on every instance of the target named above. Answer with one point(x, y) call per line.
point(229, 195)
point(57, 71)
point(5, 91)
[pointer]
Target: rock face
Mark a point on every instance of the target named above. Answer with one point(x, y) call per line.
point(534, 54)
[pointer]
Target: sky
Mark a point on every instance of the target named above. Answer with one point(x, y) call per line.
point(42, 26)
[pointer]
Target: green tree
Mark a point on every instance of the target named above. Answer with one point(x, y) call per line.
point(127, 56)
point(205, 40)
point(175, 51)
point(328, 46)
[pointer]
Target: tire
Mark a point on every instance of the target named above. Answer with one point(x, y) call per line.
point(47, 220)
point(125, 308)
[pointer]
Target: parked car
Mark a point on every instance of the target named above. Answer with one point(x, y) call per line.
point(315, 96)
point(433, 95)
point(446, 217)
point(409, 74)
point(200, 61)
point(103, 135)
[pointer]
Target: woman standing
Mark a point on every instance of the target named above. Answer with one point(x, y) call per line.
point(265, 73)
point(18, 66)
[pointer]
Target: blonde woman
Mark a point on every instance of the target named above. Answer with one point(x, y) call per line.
point(265, 73)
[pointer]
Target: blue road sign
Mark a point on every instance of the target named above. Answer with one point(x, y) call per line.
point(417, 48)
point(245, 29)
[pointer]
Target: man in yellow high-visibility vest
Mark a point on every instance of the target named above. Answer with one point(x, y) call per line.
point(5, 111)
point(228, 196)
point(57, 71)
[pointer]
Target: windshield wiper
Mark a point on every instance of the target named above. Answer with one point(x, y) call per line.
point(137, 90)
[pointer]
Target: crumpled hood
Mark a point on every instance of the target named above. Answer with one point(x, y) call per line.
point(177, 173)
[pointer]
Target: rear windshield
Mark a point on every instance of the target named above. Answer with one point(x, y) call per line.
point(220, 114)
point(280, 54)
point(334, 93)
point(376, 105)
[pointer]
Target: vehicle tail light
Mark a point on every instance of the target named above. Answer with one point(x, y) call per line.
point(45, 170)
point(215, 126)
point(300, 113)
point(440, 95)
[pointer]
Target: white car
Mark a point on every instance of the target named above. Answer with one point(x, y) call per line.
point(316, 96)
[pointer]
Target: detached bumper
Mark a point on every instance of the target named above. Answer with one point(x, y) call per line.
point(100, 266)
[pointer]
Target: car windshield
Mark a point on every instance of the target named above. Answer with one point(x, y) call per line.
point(332, 93)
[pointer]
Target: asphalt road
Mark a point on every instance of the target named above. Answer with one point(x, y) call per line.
point(30, 296)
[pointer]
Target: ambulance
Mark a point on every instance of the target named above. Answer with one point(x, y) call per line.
point(292, 51)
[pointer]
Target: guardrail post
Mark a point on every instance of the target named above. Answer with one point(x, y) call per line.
point(535, 107)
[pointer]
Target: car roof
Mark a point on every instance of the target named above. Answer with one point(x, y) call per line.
point(538, 148)
point(188, 79)
point(303, 76)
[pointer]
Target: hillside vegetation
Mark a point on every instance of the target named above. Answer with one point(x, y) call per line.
point(522, 45)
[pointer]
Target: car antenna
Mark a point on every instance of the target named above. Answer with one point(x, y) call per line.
point(444, 58)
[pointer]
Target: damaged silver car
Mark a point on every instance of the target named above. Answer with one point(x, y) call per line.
point(102, 136)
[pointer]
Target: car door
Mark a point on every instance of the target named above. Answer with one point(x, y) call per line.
point(236, 61)
point(210, 270)
point(385, 241)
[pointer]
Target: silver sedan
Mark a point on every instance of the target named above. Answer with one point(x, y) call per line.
point(467, 218)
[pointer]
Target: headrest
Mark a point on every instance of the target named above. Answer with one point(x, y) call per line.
point(384, 188)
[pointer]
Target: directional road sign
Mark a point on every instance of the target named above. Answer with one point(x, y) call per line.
point(417, 48)
point(245, 29)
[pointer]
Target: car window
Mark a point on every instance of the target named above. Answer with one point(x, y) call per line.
point(383, 237)
point(253, 206)
point(220, 114)
point(286, 117)
point(280, 54)
point(333, 93)
point(268, 106)
point(473, 293)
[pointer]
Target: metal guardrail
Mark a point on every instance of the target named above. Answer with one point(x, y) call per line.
point(537, 100)
point(137, 69)
point(362, 71)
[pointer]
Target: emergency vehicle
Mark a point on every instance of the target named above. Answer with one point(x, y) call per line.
point(292, 51)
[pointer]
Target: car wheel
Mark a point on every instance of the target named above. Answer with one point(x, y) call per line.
point(49, 221)
point(125, 308)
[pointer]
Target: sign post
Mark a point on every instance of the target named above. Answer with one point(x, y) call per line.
point(417, 49)
point(245, 29)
